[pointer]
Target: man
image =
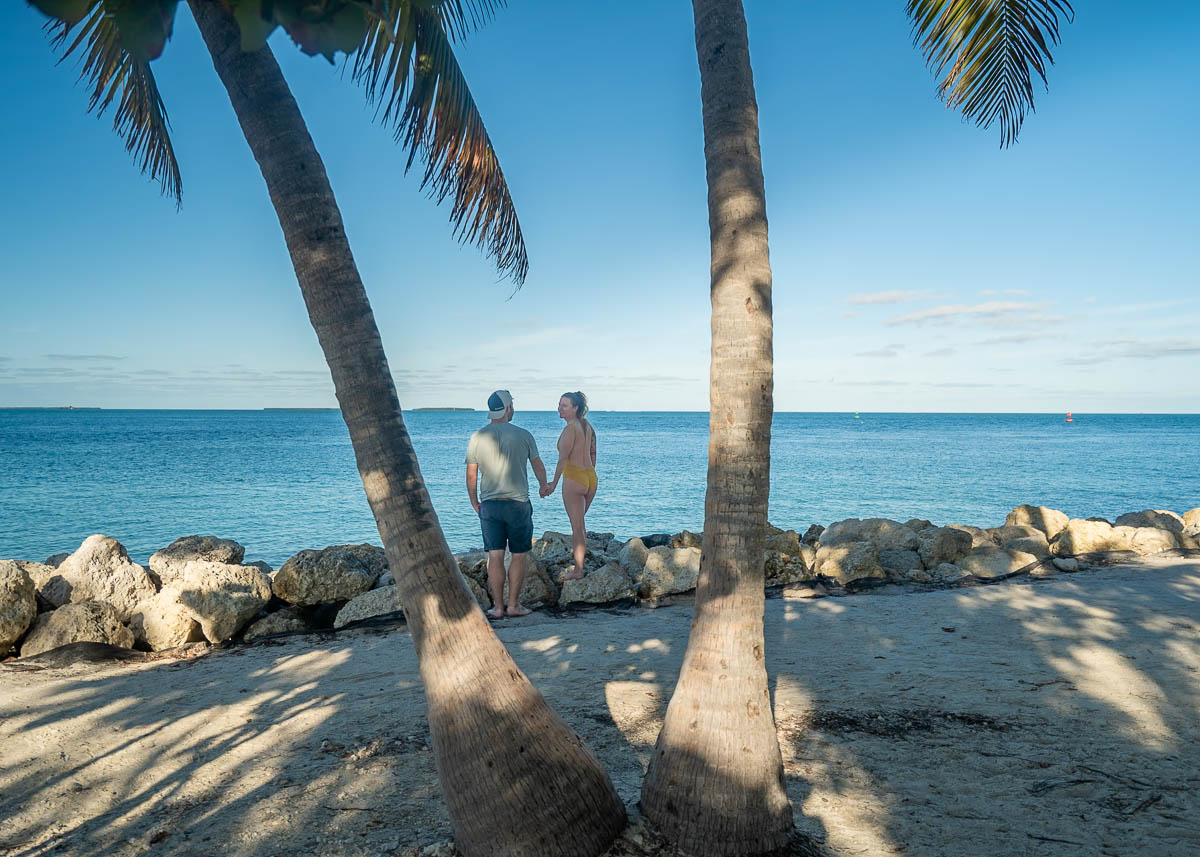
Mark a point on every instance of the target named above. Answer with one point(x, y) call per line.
point(496, 456)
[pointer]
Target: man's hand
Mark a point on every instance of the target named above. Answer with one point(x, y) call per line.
point(546, 490)
point(475, 504)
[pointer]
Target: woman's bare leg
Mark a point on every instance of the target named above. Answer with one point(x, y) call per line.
point(575, 502)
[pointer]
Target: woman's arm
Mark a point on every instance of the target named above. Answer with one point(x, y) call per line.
point(565, 442)
point(593, 449)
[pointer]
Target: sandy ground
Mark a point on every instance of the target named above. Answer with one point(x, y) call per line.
point(1050, 717)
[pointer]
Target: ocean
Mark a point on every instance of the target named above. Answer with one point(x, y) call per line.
point(282, 481)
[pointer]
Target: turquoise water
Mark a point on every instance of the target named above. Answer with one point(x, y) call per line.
point(281, 481)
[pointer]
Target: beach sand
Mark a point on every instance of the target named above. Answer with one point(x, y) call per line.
point(1043, 717)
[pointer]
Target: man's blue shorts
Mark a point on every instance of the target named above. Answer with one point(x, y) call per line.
point(507, 523)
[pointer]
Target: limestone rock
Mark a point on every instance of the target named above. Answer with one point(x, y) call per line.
point(56, 559)
point(168, 563)
point(656, 540)
point(377, 602)
point(883, 533)
point(552, 549)
point(386, 579)
point(943, 545)
point(79, 622)
point(223, 598)
point(264, 567)
point(918, 524)
point(849, 561)
point(668, 571)
point(285, 621)
point(812, 535)
point(980, 538)
point(50, 588)
point(18, 604)
point(1191, 522)
point(898, 564)
point(480, 594)
point(687, 539)
point(1157, 518)
point(787, 559)
point(633, 556)
point(327, 576)
point(102, 571)
point(605, 584)
point(1063, 563)
point(1049, 521)
point(1036, 545)
point(1148, 540)
point(1079, 537)
point(539, 589)
point(598, 542)
point(947, 572)
point(988, 562)
point(163, 622)
point(613, 550)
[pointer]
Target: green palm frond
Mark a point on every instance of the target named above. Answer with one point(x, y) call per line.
point(140, 117)
point(986, 49)
point(460, 17)
point(408, 69)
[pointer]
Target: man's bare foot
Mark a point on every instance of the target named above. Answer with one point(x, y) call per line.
point(519, 610)
point(496, 613)
point(572, 575)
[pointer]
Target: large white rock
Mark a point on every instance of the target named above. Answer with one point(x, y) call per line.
point(52, 590)
point(849, 562)
point(1049, 521)
point(988, 562)
point(287, 620)
point(943, 545)
point(102, 571)
point(18, 604)
point(900, 565)
point(605, 584)
point(668, 571)
point(222, 598)
point(1147, 540)
point(980, 538)
point(168, 563)
point(163, 622)
point(1022, 538)
point(377, 602)
point(632, 556)
point(1191, 521)
point(883, 533)
point(327, 576)
point(1080, 537)
point(80, 622)
point(1156, 518)
point(787, 559)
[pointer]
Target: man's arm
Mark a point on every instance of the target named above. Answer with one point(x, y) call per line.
point(473, 485)
point(539, 470)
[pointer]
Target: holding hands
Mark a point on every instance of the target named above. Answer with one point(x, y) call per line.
point(547, 488)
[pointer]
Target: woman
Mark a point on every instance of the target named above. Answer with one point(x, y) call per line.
point(577, 462)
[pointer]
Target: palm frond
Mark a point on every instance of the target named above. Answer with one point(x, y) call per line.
point(460, 17)
point(140, 117)
point(408, 69)
point(985, 51)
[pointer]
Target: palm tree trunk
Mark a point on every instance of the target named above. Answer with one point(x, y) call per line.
point(715, 783)
point(516, 779)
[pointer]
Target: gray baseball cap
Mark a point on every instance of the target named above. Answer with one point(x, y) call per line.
point(498, 403)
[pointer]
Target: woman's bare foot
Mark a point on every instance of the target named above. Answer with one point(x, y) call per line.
point(496, 613)
point(572, 575)
point(518, 610)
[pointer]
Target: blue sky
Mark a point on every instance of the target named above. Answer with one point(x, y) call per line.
point(917, 267)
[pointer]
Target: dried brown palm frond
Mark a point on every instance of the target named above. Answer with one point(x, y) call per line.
point(985, 49)
point(114, 74)
point(407, 66)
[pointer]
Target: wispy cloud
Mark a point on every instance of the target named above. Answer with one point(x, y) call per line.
point(86, 358)
point(987, 293)
point(1018, 338)
point(880, 382)
point(850, 314)
point(1007, 311)
point(1136, 349)
point(942, 352)
point(884, 351)
point(897, 296)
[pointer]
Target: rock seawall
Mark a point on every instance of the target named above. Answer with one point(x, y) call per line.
point(199, 589)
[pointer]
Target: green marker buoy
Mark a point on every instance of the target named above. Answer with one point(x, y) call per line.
point(856, 416)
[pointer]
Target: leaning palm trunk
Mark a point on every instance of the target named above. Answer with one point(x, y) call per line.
point(516, 779)
point(715, 783)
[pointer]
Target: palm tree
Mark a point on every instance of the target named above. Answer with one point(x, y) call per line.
point(715, 783)
point(505, 759)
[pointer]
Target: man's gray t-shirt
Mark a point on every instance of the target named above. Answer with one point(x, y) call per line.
point(501, 451)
